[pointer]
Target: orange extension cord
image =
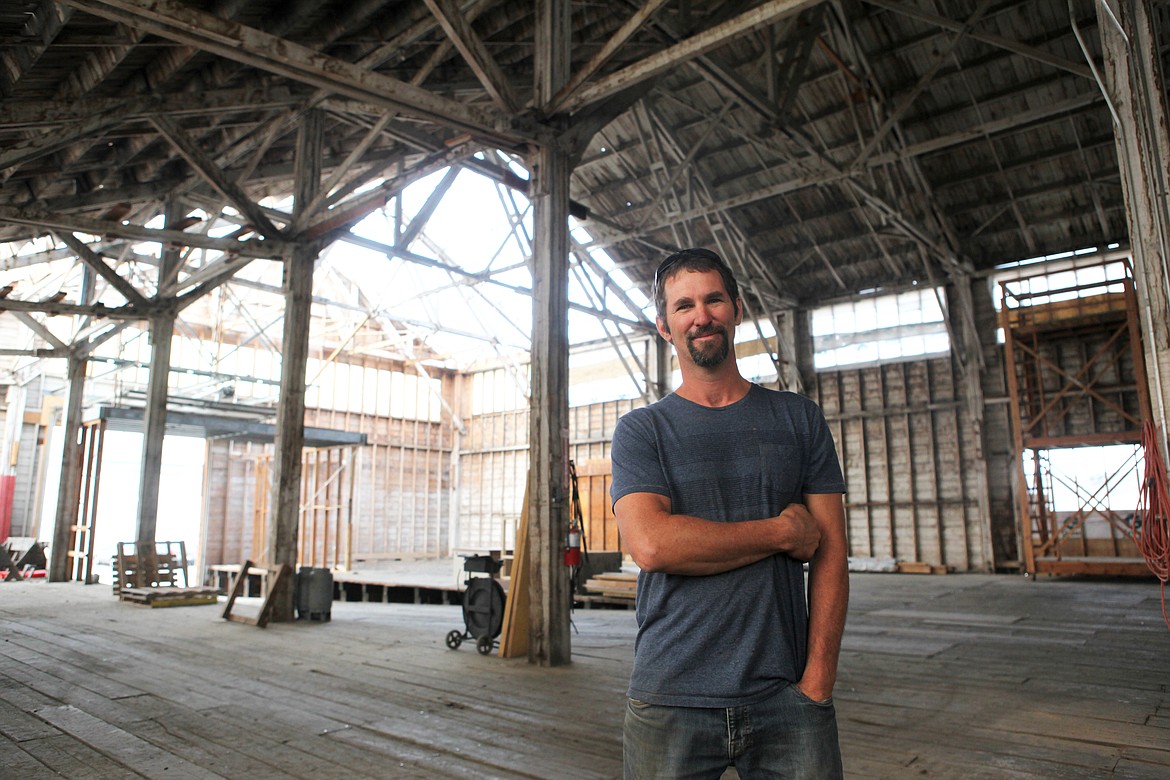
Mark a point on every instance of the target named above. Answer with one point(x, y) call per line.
point(1153, 532)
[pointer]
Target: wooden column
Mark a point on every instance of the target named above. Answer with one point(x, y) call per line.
point(803, 351)
point(69, 486)
point(1137, 97)
point(662, 365)
point(284, 514)
point(548, 438)
point(996, 439)
point(154, 417)
point(967, 352)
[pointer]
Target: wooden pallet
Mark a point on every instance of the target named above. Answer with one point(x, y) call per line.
point(170, 596)
point(170, 566)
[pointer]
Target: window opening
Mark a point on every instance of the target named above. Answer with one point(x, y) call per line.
point(879, 328)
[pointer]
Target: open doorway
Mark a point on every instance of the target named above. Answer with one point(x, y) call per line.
point(180, 504)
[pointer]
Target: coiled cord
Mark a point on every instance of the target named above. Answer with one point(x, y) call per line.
point(1152, 531)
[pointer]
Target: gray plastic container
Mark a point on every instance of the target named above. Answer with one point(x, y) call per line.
point(314, 593)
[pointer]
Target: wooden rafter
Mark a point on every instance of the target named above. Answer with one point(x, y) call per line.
point(684, 51)
point(474, 52)
point(211, 173)
point(248, 45)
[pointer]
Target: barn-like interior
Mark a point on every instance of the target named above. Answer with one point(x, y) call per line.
point(363, 288)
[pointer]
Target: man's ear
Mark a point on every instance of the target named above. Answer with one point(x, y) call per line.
point(738, 311)
point(663, 329)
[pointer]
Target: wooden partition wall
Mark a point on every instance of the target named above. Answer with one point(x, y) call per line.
point(908, 452)
point(493, 467)
point(391, 498)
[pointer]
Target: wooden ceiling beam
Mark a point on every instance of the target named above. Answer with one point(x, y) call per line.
point(253, 47)
point(603, 55)
point(326, 194)
point(42, 115)
point(98, 263)
point(37, 218)
point(1007, 44)
point(686, 50)
point(39, 328)
point(941, 56)
point(474, 52)
point(42, 27)
point(213, 175)
point(42, 143)
point(56, 308)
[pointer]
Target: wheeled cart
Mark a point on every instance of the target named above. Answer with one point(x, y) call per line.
point(483, 605)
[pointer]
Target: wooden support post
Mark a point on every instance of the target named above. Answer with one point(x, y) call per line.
point(548, 438)
point(548, 431)
point(281, 546)
point(154, 417)
point(971, 366)
point(663, 363)
point(290, 421)
point(69, 486)
point(1136, 92)
point(803, 351)
point(154, 421)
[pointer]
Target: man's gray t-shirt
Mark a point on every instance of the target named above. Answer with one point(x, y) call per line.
point(733, 638)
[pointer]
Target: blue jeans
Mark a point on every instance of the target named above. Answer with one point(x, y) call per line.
point(788, 735)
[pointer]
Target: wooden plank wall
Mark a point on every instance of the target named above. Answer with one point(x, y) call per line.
point(907, 451)
point(29, 438)
point(493, 470)
point(592, 435)
point(402, 488)
point(905, 443)
point(904, 440)
point(593, 480)
point(493, 467)
point(229, 500)
point(403, 485)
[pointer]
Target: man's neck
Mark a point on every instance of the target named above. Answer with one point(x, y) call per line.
point(714, 389)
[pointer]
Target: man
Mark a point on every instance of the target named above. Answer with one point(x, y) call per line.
point(722, 490)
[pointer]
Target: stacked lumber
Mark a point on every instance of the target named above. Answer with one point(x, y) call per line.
point(920, 567)
point(168, 596)
point(614, 585)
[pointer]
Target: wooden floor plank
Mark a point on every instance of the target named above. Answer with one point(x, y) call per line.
point(966, 676)
point(67, 756)
point(406, 757)
point(132, 752)
point(19, 725)
point(18, 763)
point(217, 757)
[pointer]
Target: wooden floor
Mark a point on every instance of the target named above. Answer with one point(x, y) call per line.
point(959, 676)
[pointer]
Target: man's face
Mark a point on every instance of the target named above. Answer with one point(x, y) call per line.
point(700, 312)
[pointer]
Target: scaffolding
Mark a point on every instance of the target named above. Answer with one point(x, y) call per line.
point(1076, 378)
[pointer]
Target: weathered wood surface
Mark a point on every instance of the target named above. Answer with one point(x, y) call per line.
point(966, 676)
